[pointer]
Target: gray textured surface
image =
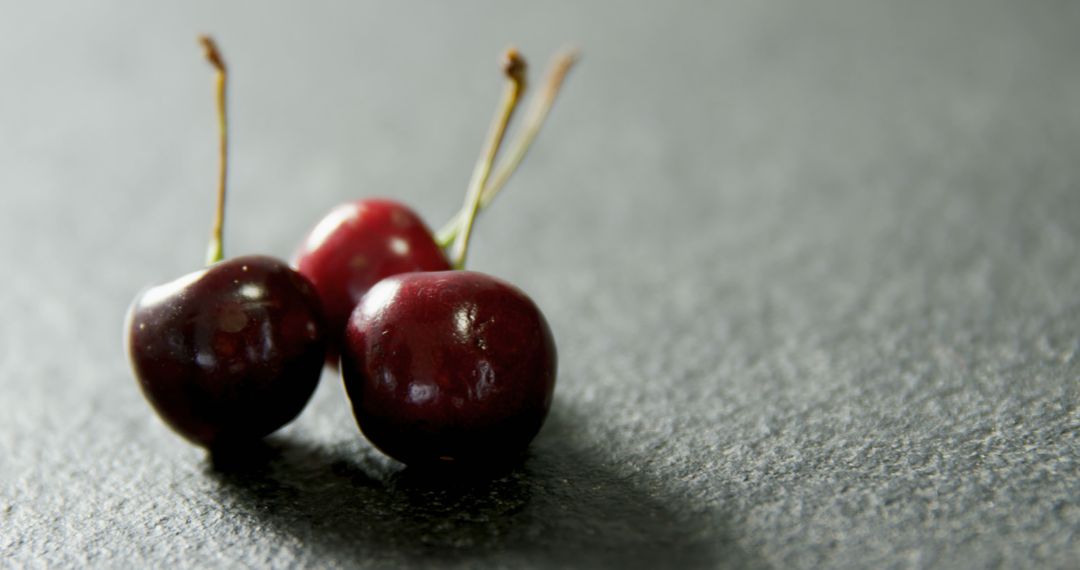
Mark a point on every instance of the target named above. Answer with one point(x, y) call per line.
point(812, 268)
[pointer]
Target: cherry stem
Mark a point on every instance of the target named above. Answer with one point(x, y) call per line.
point(514, 69)
point(215, 252)
point(534, 120)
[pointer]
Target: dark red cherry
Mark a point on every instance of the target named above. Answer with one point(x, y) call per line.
point(229, 353)
point(232, 352)
point(354, 247)
point(450, 366)
point(456, 366)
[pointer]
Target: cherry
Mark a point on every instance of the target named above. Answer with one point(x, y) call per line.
point(357, 245)
point(232, 352)
point(229, 353)
point(449, 366)
point(452, 367)
point(360, 243)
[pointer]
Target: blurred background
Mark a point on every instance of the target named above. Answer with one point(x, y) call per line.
point(812, 269)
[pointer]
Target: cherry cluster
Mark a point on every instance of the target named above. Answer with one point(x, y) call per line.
point(441, 365)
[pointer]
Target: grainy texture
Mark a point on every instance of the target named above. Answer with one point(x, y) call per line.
point(812, 269)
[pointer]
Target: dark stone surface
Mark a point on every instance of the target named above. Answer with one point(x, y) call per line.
point(812, 269)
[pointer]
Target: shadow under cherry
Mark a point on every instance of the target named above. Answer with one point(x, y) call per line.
point(558, 507)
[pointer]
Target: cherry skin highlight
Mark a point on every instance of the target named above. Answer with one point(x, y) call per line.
point(448, 367)
point(357, 245)
point(230, 353)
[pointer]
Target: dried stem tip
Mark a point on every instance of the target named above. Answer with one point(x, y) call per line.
point(213, 55)
point(514, 65)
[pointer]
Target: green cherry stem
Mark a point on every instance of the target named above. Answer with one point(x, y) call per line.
point(514, 69)
point(534, 120)
point(215, 251)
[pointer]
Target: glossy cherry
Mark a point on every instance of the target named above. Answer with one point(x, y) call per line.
point(230, 353)
point(357, 245)
point(234, 351)
point(452, 366)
